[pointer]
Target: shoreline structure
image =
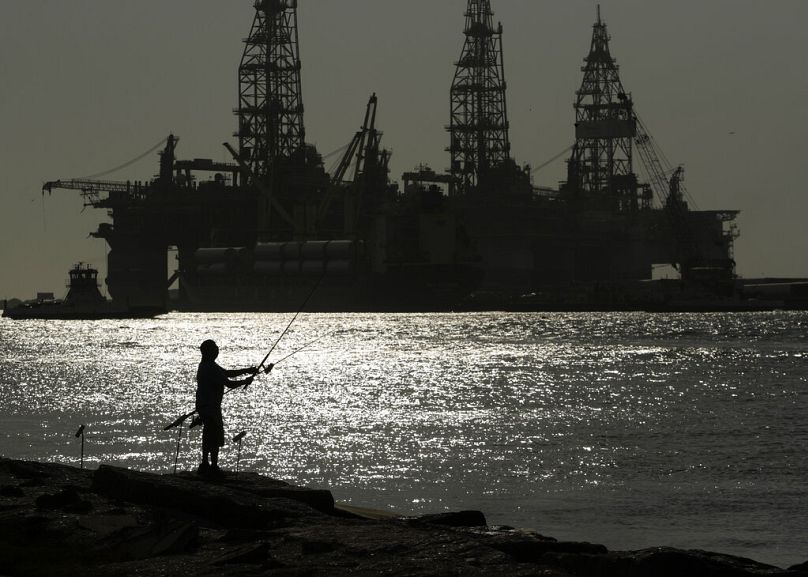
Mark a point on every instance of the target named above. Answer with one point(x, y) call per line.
point(59, 520)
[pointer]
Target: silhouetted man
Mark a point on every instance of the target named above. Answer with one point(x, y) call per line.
point(211, 380)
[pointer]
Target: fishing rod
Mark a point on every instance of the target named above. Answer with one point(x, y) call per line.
point(300, 310)
point(181, 419)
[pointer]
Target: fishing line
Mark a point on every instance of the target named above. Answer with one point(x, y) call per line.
point(293, 353)
point(311, 294)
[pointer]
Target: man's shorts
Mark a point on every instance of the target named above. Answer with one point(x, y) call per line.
point(213, 428)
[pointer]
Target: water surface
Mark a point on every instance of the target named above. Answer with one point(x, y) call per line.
point(626, 429)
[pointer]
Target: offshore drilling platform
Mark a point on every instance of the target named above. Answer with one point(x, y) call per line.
point(273, 224)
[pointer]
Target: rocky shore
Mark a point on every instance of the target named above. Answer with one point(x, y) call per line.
point(57, 520)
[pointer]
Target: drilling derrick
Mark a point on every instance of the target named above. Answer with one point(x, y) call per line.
point(600, 170)
point(479, 120)
point(270, 104)
point(286, 172)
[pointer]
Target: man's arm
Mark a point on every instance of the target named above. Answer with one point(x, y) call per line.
point(239, 372)
point(236, 384)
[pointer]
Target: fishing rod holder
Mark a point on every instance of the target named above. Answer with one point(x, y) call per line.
point(80, 433)
point(180, 422)
point(179, 444)
point(237, 439)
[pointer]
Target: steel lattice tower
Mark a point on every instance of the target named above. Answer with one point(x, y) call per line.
point(479, 119)
point(270, 104)
point(601, 166)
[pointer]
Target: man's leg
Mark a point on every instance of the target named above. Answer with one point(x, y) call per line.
point(205, 440)
point(204, 466)
point(216, 439)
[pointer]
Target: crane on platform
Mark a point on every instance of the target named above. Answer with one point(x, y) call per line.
point(91, 188)
point(667, 185)
point(363, 153)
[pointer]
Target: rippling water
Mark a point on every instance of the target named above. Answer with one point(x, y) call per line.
point(631, 430)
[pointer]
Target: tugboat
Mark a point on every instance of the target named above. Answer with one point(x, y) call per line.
point(83, 302)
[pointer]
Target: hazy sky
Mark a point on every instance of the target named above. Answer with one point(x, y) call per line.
point(90, 84)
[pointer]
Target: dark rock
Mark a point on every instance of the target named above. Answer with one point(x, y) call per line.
point(222, 504)
point(296, 572)
point(149, 525)
point(801, 568)
point(253, 555)
point(31, 528)
point(26, 470)
point(81, 506)
point(317, 547)
point(243, 536)
point(394, 549)
point(155, 540)
point(661, 562)
point(26, 527)
point(11, 491)
point(32, 483)
point(667, 562)
point(64, 498)
point(586, 564)
point(105, 525)
point(528, 548)
point(261, 486)
point(37, 474)
point(454, 519)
